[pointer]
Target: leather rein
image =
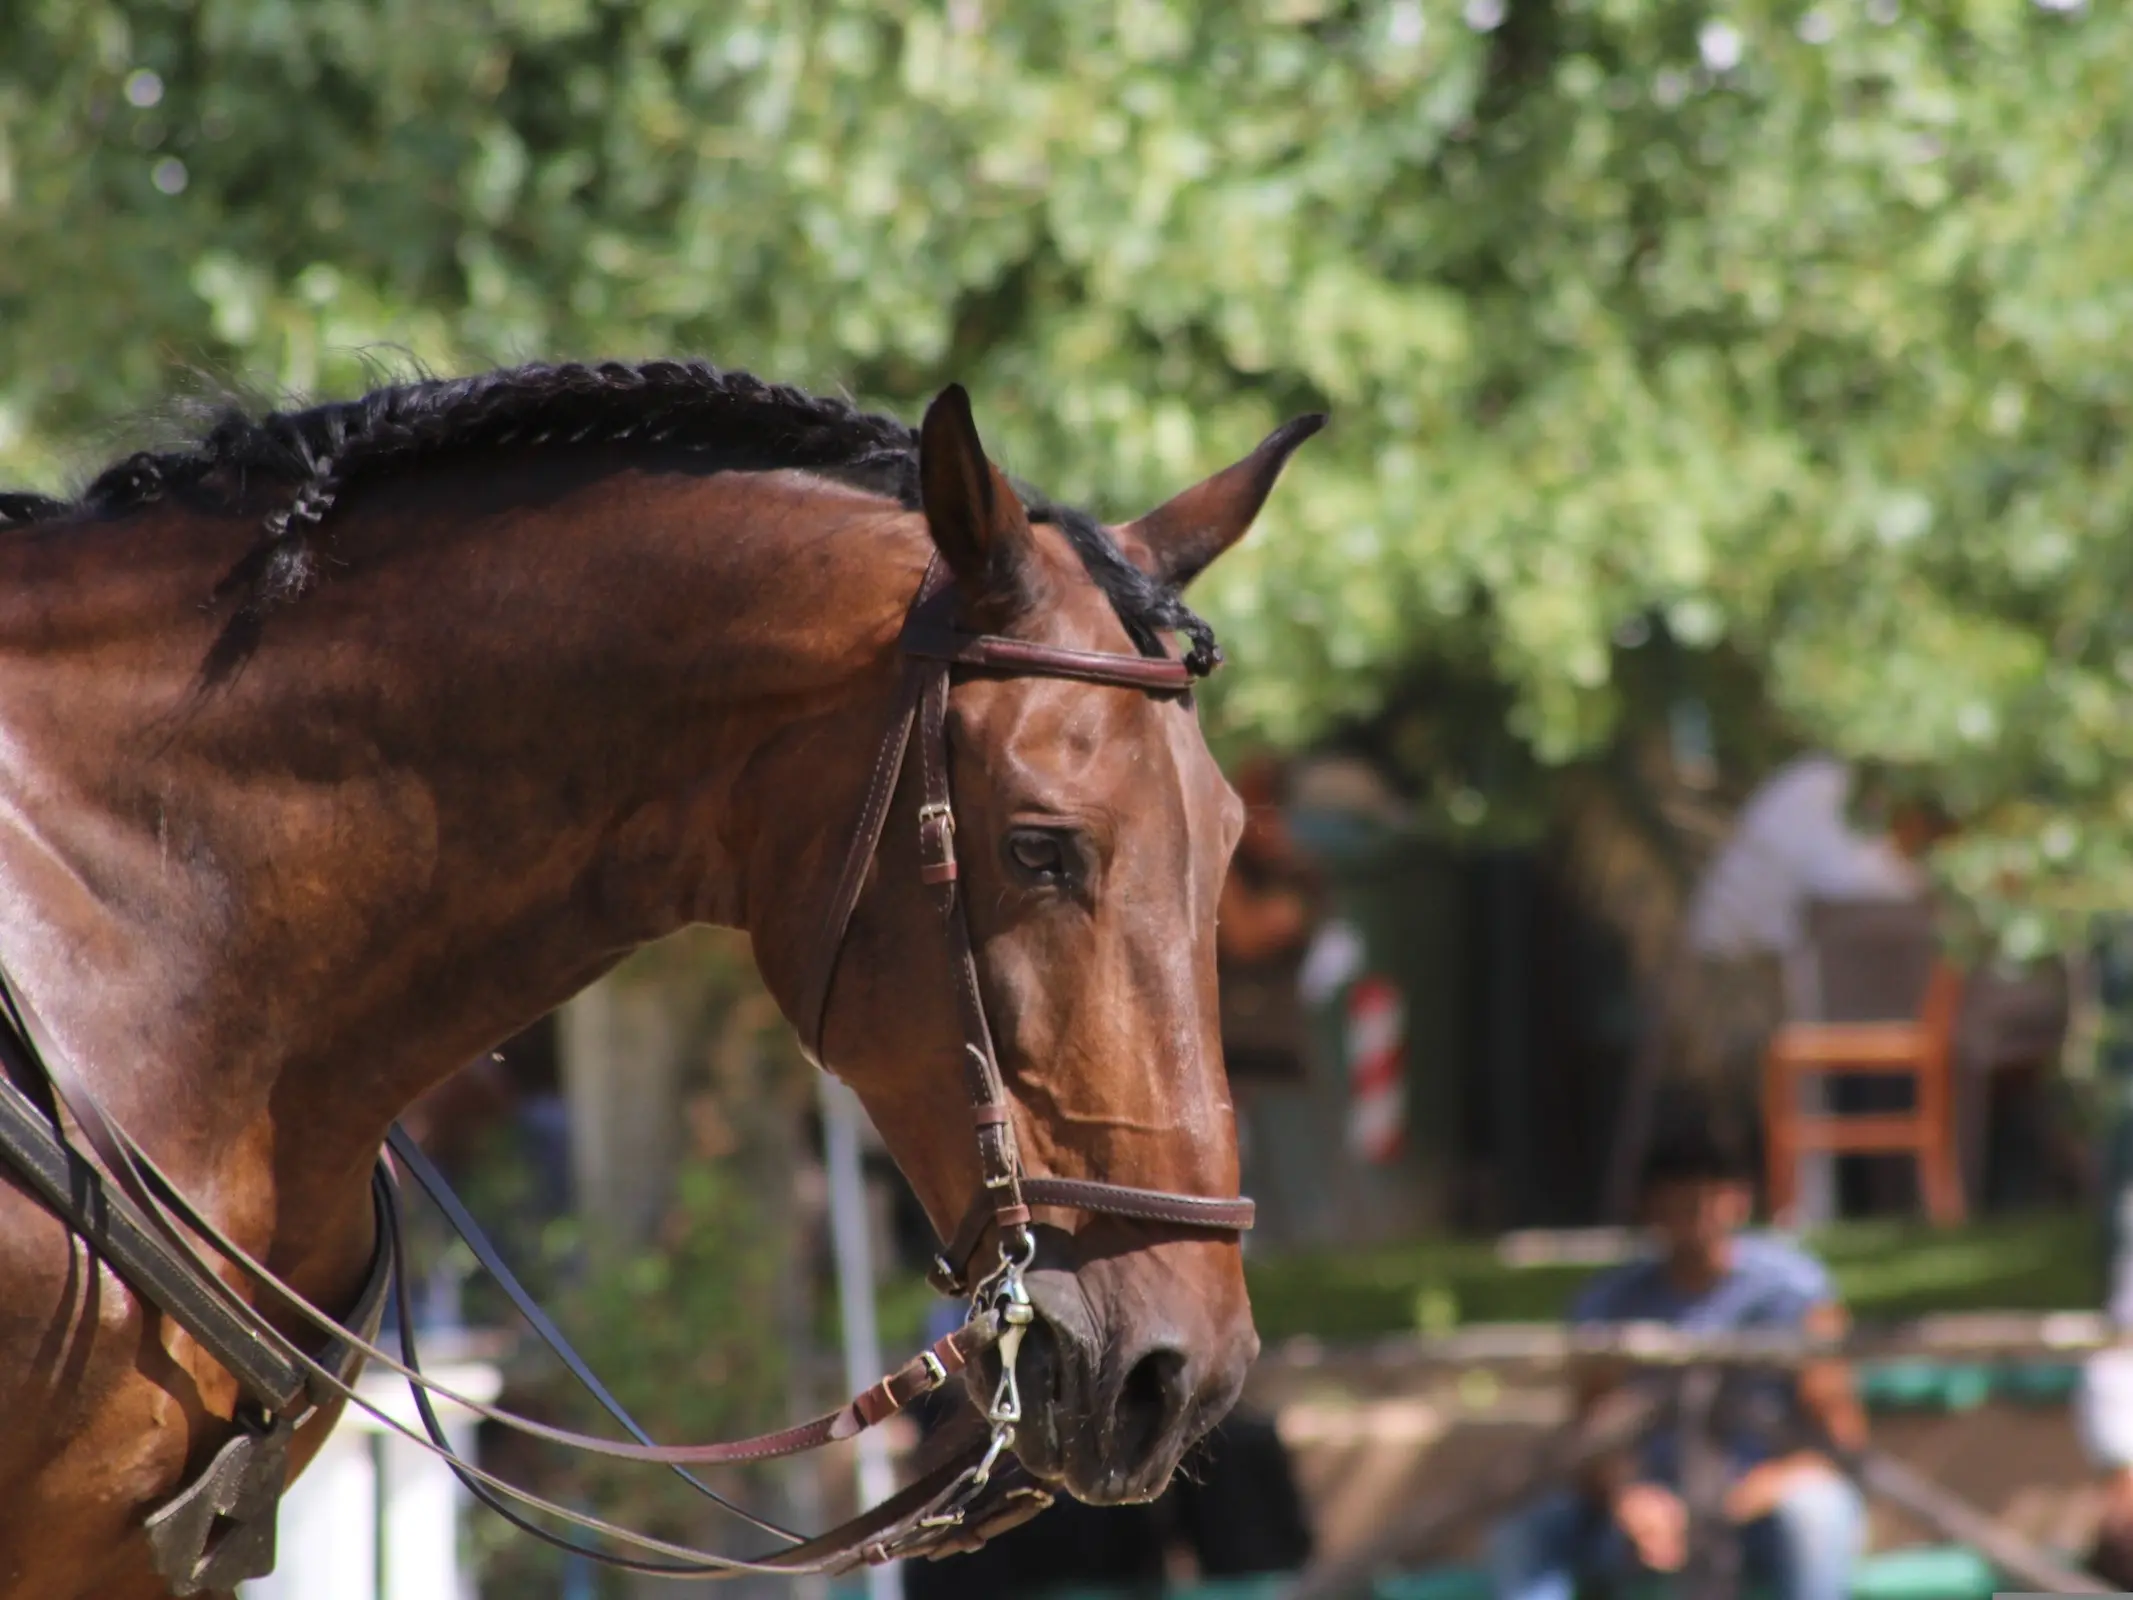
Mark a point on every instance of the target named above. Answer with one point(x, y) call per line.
point(220, 1528)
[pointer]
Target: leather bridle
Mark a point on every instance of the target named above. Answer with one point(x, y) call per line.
point(933, 647)
point(219, 1529)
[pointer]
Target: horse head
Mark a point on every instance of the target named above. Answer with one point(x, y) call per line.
point(1093, 830)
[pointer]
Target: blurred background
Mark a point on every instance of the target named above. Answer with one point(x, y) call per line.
point(1703, 618)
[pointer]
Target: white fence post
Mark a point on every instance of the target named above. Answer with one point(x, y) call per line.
point(375, 1517)
point(849, 1229)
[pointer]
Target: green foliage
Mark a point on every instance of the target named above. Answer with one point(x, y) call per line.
point(1796, 329)
point(678, 1330)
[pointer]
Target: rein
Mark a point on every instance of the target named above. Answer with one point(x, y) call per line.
point(220, 1529)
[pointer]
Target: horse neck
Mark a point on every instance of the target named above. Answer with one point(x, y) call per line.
point(515, 736)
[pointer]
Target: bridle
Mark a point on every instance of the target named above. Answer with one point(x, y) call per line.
point(219, 1529)
point(933, 648)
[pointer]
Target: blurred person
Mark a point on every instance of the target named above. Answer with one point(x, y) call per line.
point(1801, 1524)
point(2103, 1405)
point(1799, 838)
point(1264, 921)
point(1815, 830)
point(1265, 918)
point(2104, 1413)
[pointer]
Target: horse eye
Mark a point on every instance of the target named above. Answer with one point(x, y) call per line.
point(1038, 854)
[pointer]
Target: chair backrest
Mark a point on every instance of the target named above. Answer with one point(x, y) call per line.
point(1871, 960)
point(2016, 1018)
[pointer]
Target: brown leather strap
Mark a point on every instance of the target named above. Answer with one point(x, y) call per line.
point(227, 1327)
point(858, 859)
point(1147, 1205)
point(935, 592)
point(139, 1249)
point(844, 1545)
point(991, 653)
point(920, 1375)
point(991, 1114)
point(148, 1188)
point(951, 1268)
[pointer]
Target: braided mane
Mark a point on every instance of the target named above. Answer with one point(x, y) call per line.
point(730, 421)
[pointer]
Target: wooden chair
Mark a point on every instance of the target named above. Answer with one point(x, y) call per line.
point(1878, 1002)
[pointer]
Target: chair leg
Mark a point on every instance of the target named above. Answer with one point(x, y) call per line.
point(1943, 1189)
point(1940, 1178)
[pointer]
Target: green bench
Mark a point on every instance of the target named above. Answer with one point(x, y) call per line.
point(1926, 1572)
point(1945, 1386)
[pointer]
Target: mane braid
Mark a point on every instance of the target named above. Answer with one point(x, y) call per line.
point(19, 508)
point(731, 420)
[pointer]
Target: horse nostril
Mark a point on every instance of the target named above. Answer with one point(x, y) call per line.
point(1150, 1403)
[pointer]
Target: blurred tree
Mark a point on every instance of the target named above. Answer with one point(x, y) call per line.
point(1787, 328)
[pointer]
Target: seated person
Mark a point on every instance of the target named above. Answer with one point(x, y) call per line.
point(1800, 1522)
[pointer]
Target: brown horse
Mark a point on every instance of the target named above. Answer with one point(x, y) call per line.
point(526, 671)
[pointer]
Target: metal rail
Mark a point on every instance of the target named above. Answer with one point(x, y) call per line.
point(1980, 1336)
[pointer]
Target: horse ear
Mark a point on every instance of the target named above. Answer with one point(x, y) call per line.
point(976, 520)
point(1177, 540)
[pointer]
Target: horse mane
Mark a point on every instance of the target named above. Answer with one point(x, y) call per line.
point(729, 421)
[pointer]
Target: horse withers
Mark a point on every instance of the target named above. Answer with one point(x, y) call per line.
point(344, 743)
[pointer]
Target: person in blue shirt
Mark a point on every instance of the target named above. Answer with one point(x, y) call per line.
point(1801, 1522)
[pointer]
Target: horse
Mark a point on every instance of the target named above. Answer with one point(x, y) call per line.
point(338, 744)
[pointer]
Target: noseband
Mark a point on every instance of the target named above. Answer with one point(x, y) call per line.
point(933, 647)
